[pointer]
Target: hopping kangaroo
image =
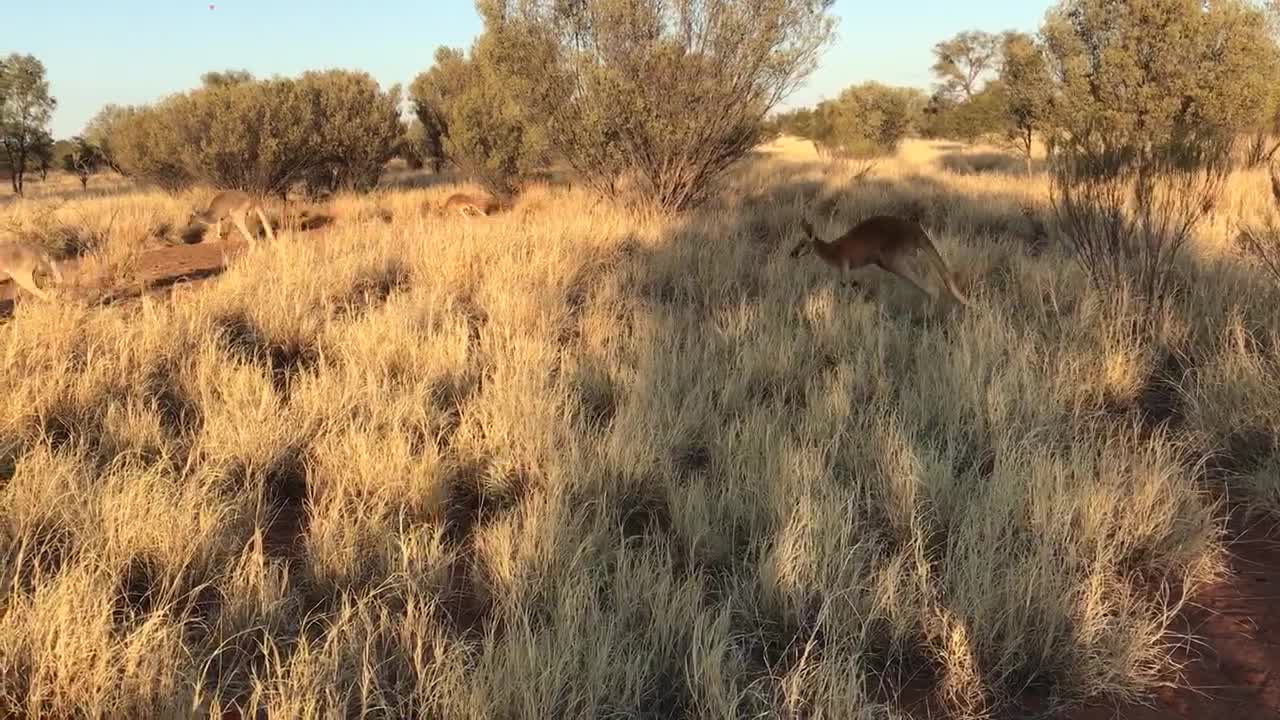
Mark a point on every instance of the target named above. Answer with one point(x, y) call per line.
point(470, 205)
point(232, 205)
point(882, 240)
point(21, 260)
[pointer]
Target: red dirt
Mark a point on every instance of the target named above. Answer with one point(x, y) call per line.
point(156, 270)
point(1230, 670)
point(1234, 670)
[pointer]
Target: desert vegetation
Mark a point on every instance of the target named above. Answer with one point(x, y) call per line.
point(610, 450)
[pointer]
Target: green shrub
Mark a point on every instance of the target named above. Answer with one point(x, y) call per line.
point(1148, 106)
point(866, 120)
point(357, 126)
point(473, 119)
point(666, 94)
point(333, 129)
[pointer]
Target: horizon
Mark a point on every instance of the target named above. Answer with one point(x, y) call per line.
point(87, 69)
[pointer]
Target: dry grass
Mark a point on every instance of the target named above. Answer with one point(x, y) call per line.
point(574, 462)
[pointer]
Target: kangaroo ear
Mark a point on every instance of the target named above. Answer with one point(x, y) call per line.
point(807, 227)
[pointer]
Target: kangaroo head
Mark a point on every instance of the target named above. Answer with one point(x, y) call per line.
point(201, 216)
point(806, 245)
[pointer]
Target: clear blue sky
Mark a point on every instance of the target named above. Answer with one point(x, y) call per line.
point(135, 51)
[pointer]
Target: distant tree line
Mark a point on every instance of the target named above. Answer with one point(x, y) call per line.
point(1015, 88)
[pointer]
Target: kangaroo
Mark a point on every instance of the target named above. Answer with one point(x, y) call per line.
point(20, 261)
point(470, 205)
point(232, 205)
point(882, 240)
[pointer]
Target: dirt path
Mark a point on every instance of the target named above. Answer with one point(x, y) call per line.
point(157, 269)
point(1235, 672)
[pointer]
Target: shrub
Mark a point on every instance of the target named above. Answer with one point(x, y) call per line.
point(144, 143)
point(1148, 109)
point(429, 94)
point(100, 129)
point(357, 128)
point(259, 137)
point(866, 120)
point(799, 122)
point(1263, 242)
point(332, 129)
point(970, 119)
point(668, 94)
point(479, 126)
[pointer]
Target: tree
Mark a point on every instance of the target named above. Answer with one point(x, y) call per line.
point(665, 93)
point(1149, 103)
point(41, 153)
point(866, 120)
point(430, 93)
point(215, 78)
point(473, 119)
point(25, 110)
point(961, 62)
point(1024, 76)
point(83, 159)
point(357, 128)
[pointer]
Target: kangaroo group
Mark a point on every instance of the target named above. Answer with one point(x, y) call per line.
point(885, 241)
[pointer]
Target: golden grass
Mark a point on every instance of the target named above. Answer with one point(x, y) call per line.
point(571, 461)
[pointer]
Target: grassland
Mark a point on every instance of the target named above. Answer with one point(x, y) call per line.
point(579, 461)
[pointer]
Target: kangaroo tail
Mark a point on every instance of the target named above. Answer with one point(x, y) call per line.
point(944, 272)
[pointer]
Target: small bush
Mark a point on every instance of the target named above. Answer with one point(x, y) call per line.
point(1263, 242)
point(867, 120)
point(145, 144)
point(358, 127)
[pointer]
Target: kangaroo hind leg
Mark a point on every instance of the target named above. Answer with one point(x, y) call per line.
point(897, 265)
point(238, 218)
point(266, 224)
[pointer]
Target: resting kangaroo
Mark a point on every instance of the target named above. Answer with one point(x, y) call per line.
point(232, 205)
point(20, 261)
point(882, 240)
point(470, 205)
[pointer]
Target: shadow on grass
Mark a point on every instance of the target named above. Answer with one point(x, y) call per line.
point(977, 162)
point(745, 235)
